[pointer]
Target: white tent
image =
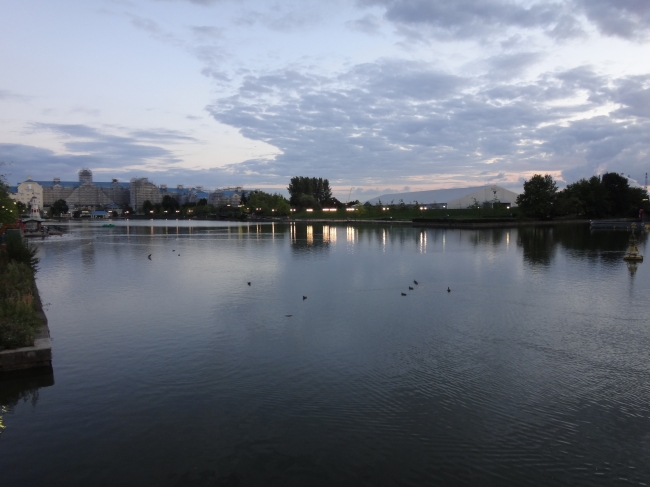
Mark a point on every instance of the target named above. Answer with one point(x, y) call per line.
point(453, 198)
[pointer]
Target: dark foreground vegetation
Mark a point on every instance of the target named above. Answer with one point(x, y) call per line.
point(606, 196)
point(19, 321)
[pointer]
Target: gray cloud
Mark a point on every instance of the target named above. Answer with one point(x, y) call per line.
point(629, 19)
point(466, 19)
point(481, 19)
point(505, 66)
point(406, 122)
point(90, 144)
point(207, 32)
point(12, 96)
point(369, 24)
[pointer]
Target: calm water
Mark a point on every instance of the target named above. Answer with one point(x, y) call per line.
point(533, 370)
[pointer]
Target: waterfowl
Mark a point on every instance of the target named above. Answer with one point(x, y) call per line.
point(411, 288)
point(304, 297)
point(403, 294)
point(415, 282)
point(149, 256)
point(448, 290)
point(249, 283)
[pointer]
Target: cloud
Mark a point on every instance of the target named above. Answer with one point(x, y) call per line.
point(466, 19)
point(504, 66)
point(629, 19)
point(368, 24)
point(408, 123)
point(484, 19)
point(204, 32)
point(12, 96)
point(88, 143)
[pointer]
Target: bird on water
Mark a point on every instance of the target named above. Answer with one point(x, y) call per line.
point(249, 283)
point(448, 290)
point(304, 297)
point(149, 256)
point(403, 294)
point(411, 288)
point(415, 282)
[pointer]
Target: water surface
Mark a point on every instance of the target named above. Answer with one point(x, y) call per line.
point(174, 371)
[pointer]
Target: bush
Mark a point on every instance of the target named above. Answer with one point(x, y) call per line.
point(18, 320)
point(19, 251)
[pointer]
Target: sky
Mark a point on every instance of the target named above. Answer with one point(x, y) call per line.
point(377, 96)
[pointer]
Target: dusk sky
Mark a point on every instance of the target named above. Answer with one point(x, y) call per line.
point(376, 95)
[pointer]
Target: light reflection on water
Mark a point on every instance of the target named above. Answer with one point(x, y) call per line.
point(533, 370)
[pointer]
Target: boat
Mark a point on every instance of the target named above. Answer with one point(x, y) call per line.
point(108, 225)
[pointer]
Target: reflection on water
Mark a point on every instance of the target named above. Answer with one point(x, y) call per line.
point(21, 387)
point(174, 371)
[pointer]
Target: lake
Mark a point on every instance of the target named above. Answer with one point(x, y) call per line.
point(173, 371)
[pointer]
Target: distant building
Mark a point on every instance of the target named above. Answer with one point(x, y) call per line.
point(77, 194)
point(27, 191)
point(142, 190)
point(87, 196)
point(227, 196)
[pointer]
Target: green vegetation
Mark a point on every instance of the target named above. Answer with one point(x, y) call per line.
point(19, 322)
point(8, 207)
point(59, 207)
point(540, 193)
point(609, 195)
point(265, 204)
point(311, 193)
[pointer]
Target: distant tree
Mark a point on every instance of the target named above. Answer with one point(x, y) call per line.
point(267, 204)
point(308, 201)
point(8, 207)
point(170, 204)
point(540, 193)
point(59, 207)
point(147, 206)
point(21, 208)
point(202, 202)
point(588, 196)
point(318, 188)
point(618, 192)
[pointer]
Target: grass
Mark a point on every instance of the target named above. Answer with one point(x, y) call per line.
point(19, 320)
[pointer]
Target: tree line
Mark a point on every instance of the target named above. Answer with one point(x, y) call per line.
point(609, 195)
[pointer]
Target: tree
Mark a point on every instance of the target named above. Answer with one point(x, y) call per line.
point(267, 204)
point(59, 207)
point(170, 204)
point(618, 192)
point(318, 188)
point(8, 207)
point(202, 202)
point(587, 196)
point(540, 193)
point(147, 206)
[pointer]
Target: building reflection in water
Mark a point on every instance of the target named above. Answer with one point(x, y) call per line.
point(329, 234)
point(310, 234)
point(292, 233)
point(351, 234)
point(423, 242)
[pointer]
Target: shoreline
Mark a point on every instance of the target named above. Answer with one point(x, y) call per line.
point(37, 356)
